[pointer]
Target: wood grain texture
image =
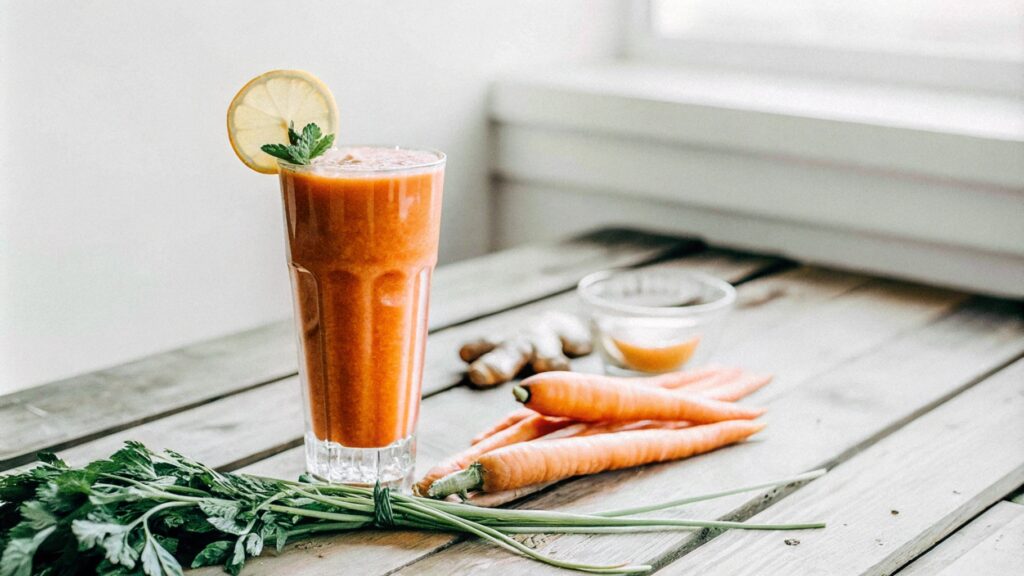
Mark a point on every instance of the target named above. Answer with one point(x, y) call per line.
point(828, 418)
point(1001, 553)
point(64, 413)
point(60, 414)
point(962, 542)
point(469, 289)
point(894, 500)
point(451, 418)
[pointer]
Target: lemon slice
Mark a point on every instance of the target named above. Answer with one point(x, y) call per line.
point(657, 359)
point(262, 110)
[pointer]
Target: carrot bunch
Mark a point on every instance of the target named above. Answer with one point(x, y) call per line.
point(575, 424)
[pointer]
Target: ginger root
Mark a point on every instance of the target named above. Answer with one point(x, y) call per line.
point(547, 344)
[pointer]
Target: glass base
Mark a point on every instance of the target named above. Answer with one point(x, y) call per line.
point(392, 465)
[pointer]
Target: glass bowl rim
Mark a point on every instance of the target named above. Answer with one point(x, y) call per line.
point(720, 304)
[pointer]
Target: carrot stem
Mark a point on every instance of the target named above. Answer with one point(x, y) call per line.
point(521, 394)
point(465, 480)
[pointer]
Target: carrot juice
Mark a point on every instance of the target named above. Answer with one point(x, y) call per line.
point(362, 226)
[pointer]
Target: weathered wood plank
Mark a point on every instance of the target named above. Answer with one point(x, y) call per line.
point(991, 523)
point(469, 289)
point(75, 410)
point(894, 500)
point(67, 412)
point(831, 416)
point(453, 417)
point(223, 433)
point(1001, 553)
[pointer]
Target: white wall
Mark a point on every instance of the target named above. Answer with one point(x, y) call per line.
point(127, 226)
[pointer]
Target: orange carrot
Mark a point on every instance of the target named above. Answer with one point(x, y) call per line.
point(704, 379)
point(738, 388)
point(720, 377)
point(529, 463)
point(731, 390)
point(608, 427)
point(526, 429)
point(508, 420)
point(524, 425)
point(581, 397)
point(674, 380)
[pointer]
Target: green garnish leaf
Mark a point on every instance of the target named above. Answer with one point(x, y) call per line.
point(303, 146)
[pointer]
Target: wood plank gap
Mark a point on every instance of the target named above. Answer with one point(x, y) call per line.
point(687, 247)
point(100, 433)
point(896, 425)
point(902, 473)
point(961, 542)
point(759, 504)
point(778, 266)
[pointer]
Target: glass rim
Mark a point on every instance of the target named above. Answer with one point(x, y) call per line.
point(442, 158)
point(723, 303)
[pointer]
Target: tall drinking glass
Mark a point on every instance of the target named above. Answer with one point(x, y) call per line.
point(362, 226)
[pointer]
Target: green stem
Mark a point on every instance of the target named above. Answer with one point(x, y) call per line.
point(347, 503)
point(691, 499)
point(317, 514)
point(521, 393)
point(142, 519)
point(326, 527)
point(587, 529)
point(504, 541)
point(498, 518)
point(465, 480)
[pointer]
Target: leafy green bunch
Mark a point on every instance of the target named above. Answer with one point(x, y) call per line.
point(139, 512)
point(303, 146)
point(135, 513)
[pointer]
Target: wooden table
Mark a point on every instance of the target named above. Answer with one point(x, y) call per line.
point(912, 396)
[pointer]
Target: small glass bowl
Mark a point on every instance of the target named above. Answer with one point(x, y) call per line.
point(655, 320)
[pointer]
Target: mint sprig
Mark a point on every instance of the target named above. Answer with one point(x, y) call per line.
point(303, 146)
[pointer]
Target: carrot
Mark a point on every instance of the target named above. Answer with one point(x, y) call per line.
point(530, 463)
point(508, 420)
point(674, 380)
point(738, 388)
point(731, 390)
point(581, 397)
point(720, 377)
point(526, 429)
point(704, 379)
point(608, 427)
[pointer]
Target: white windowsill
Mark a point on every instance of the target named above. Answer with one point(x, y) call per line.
point(942, 169)
point(890, 127)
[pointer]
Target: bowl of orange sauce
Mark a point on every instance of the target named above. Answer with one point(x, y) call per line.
point(655, 320)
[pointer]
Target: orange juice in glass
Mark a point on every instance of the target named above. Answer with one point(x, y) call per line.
point(362, 228)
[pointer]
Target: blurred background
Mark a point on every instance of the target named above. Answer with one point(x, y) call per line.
point(878, 136)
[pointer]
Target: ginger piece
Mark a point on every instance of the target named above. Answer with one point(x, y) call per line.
point(573, 333)
point(474, 349)
point(502, 363)
point(547, 352)
point(547, 345)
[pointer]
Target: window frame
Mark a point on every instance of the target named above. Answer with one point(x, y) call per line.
point(997, 76)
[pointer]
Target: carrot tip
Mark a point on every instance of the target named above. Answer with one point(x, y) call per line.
point(521, 393)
